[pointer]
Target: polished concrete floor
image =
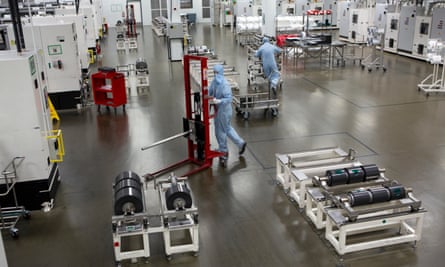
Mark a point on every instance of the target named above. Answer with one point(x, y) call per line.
point(245, 219)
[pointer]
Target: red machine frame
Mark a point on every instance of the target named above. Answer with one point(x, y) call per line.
point(198, 114)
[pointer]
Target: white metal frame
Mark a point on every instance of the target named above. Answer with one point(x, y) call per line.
point(123, 255)
point(192, 228)
point(287, 162)
point(338, 235)
point(315, 207)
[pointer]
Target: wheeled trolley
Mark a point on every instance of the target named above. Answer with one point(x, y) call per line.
point(376, 38)
point(9, 216)
point(244, 104)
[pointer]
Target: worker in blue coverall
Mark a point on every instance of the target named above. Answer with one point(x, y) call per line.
point(267, 52)
point(222, 98)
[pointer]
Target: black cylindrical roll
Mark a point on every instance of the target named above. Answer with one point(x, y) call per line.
point(397, 191)
point(123, 183)
point(178, 197)
point(127, 175)
point(371, 171)
point(128, 200)
point(358, 198)
point(337, 177)
point(380, 194)
point(355, 175)
point(128, 196)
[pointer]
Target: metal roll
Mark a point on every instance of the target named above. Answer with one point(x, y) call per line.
point(380, 194)
point(128, 194)
point(371, 171)
point(357, 198)
point(125, 175)
point(337, 177)
point(355, 175)
point(397, 191)
point(178, 197)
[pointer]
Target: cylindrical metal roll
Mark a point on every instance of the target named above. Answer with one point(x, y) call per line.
point(128, 195)
point(358, 198)
point(178, 197)
point(371, 171)
point(380, 194)
point(337, 177)
point(355, 175)
point(125, 175)
point(397, 191)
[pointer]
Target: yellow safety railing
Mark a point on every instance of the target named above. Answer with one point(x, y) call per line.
point(91, 56)
point(53, 112)
point(56, 135)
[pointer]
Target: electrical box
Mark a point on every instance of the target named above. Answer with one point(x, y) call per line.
point(25, 116)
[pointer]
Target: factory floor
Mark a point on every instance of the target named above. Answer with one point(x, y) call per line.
point(245, 218)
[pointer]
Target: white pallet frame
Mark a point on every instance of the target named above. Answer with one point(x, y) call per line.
point(124, 255)
point(132, 43)
point(338, 235)
point(193, 246)
point(287, 162)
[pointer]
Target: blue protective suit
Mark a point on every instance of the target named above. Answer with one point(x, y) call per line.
point(267, 52)
point(221, 91)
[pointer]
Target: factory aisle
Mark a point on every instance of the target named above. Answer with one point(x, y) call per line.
point(245, 218)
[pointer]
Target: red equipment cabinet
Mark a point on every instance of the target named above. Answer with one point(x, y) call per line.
point(109, 88)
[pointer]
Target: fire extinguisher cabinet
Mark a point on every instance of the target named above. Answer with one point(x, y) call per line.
point(109, 88)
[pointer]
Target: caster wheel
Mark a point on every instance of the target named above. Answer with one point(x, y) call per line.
point(246, 115)
point(384, 69)
point(14, 232)
point(274, 112)
point(369, 70)
point(196, 254)
point(363, 67)
point(27, 214)
point(168, 257)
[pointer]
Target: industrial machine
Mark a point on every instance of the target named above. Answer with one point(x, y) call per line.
point(28, 131)
point(175, 41)
point(57, 48)
point(437, 28)
point(408, 16)
point(356, 204)
point(391, 32)
point(133, 221)
point(421, 36)
point(359, 21)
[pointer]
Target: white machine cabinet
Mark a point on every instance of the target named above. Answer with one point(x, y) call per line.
point(359, 22)
point(57, 43)
point(391, 32)
point(437, 24)
point(421, 36)
point(25, 116)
